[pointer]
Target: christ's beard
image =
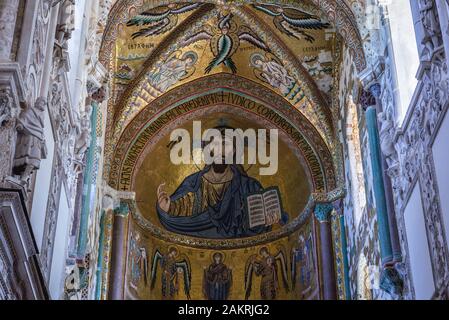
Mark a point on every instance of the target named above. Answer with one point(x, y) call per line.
point(219, 168)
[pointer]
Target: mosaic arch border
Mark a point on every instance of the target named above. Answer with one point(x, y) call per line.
point(254, 91)
point(218, 107)
point(337, 12)
point(168, 44)
point(221, 244)
point(238, 85)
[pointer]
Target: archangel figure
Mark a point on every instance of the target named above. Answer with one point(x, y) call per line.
point(268, 267)
point(174, 267)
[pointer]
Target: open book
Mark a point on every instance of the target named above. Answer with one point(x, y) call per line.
point(264, 208)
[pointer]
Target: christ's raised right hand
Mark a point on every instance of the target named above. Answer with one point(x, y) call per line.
point(162, 198)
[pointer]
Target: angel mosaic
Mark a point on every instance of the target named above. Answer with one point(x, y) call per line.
point(217, 280)
point(175, 273)
point(138, 261)
point(320, 67)
point(303, 257)
point(292, 21)
point(224, 41)
point(160, 20)
point(269, 69)
point(267, 267)
point(176, 67)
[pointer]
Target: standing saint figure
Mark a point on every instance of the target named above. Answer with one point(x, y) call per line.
point(31, 146)
point(139, 262)
point(302, 256)
point(273, 72)
point(217, 279)
point(172, 70)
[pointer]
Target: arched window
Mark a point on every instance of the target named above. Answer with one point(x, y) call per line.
point(404, 51)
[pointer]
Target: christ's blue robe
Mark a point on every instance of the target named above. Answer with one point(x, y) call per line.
point(227, 219)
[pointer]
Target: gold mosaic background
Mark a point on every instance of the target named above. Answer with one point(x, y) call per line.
point(235, 259)
point(157, 168)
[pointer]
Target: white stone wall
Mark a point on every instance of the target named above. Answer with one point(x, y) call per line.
point(420, 263)
point(48, 65)
point(58, 264)
point(440, 151)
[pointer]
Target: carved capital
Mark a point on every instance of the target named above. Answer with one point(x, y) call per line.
point(96, 92)
point(323, 211)
point(367, 99)
point(112, 199)
point(375, 90)
point(122, 210)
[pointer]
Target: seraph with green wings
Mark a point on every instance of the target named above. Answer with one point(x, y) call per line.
point(225, 40)
point(161, 19)
point(176, 272)
point(267, 267)
point(292, 21)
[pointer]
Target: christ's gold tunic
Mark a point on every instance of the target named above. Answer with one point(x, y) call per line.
point(211, 194)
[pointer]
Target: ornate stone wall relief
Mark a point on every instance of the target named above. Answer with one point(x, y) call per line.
point(8, 113)
point(8, 12)
point(408, 149)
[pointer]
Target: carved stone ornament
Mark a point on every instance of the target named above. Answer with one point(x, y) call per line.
point(432, 33)
point(7, 109)
point(8, 12)
point(66, 22)
point(411, 160)
point(31, 146)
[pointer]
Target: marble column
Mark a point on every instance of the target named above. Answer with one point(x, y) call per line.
point(105, 254)
point(390, 281)
point(118, 253)
point(87, 184)
point(338, 206)
point(106, 211)
point(8, 16)
point(386, 250)
point(323, 215)
point(392, 223)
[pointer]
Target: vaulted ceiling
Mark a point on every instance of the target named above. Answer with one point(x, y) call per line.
point(291, 47)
